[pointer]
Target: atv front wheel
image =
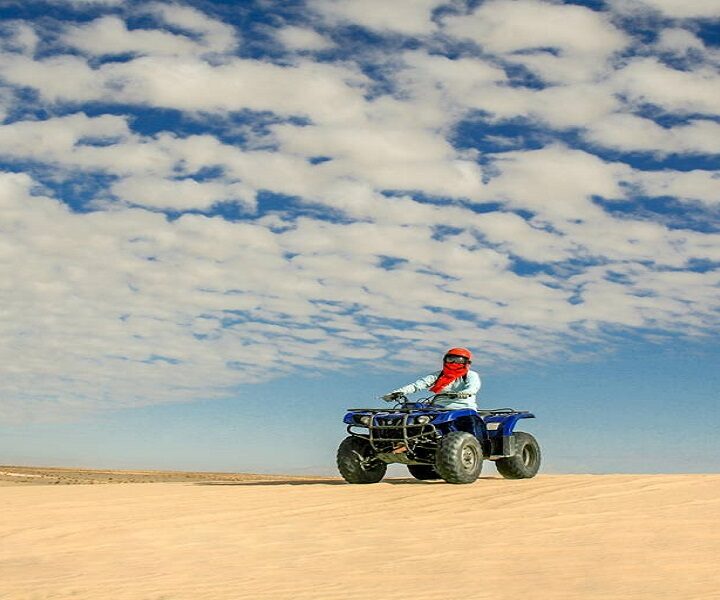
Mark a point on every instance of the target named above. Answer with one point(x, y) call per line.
point(459, 457)
point(526, 461)
point(355, 461)
point(423, 472)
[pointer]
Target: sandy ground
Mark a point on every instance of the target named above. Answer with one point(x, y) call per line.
point(210, 537)
point(11, 475)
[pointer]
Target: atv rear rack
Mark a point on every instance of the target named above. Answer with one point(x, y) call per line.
point(399, 410)
point(481, 412)
point(502, 411)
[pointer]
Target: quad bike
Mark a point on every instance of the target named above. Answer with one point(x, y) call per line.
point(435, 443)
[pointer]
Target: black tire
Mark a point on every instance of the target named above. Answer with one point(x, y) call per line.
point(526, 462)
point(423, 472)
point(352, 456)
point(459, 458)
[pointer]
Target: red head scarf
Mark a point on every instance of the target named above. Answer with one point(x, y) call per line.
point(452, 371)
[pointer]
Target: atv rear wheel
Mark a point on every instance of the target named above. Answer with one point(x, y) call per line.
point(423, 472)
point(526, 461)
point(459, 457)
point(355, 461)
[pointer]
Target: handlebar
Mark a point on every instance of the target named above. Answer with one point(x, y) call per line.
point(402, 399)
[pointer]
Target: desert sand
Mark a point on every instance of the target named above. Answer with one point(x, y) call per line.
point(225, 536)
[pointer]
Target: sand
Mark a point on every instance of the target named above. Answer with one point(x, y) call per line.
point(552, 537)
point(12, 475)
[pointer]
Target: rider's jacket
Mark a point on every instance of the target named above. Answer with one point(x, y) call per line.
point(470, 384)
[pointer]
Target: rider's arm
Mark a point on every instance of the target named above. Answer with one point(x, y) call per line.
point(421, 384)
point(472, 385)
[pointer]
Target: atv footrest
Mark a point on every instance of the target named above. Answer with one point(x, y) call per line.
point(502, 446)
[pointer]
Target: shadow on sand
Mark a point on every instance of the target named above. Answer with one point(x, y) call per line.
point(391, 481)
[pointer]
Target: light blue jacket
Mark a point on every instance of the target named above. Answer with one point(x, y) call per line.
point(470, 384)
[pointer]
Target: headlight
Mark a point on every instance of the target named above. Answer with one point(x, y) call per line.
point(364, 420)
point(422, 419)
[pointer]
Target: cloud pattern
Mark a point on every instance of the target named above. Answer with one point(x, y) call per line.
point(195, 197)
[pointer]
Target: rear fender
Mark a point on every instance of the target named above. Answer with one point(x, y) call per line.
point(505, 423)
point(500, 428)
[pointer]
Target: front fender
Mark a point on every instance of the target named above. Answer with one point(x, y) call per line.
point(349, 417)
point(461, 419)
point(453, 415)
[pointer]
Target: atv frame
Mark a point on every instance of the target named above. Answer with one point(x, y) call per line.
point(412, 433)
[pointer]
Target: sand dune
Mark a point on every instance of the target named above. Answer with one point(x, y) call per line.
point(552, 537)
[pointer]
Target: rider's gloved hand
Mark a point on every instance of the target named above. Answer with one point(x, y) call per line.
point(392, 396)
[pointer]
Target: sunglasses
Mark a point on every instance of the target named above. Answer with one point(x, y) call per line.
point(455, 359)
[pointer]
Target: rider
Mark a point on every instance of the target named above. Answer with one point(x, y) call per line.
point(455, 378)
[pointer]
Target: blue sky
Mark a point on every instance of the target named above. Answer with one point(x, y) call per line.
point(221, 223)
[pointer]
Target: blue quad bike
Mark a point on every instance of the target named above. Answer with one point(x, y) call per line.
point(436, 443)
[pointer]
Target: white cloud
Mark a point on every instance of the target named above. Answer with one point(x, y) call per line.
point(631, 133)
point(302, 38)
point(462, 81)
point(646, 80)
point(89, 312)
point(703, 186)
point(58, 78)
point(183, 194)
point(408, 17)
point(139, 305)
point(109, 35)
point(55, 139)
point(389, 158)
point(216, 35)
point(319, 91)
point(557, 183)
point(679, 41)
point(19, 37)
point(535, 24)
point(127, 294)
point(6, 101)
point(558, 106)
point(123, 306)
point(89, 3)
point(77, 141)
point(688, 9)
point(523, 31)
point(659, 298)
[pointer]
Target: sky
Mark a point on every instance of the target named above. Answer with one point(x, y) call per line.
point(223, 223)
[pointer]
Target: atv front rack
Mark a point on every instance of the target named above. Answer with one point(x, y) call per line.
point(481, 412)
point(394, 437)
